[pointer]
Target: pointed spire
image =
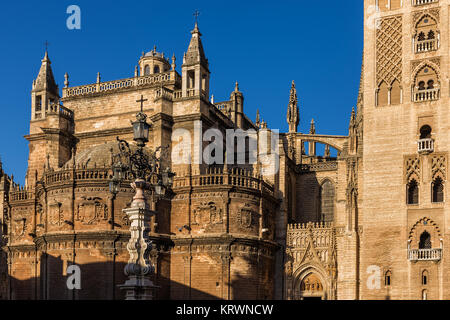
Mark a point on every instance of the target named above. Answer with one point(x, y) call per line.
point(312, 129)
point(293, 115)
point(195, 53)
point(236, 87)
point(45, 79)
point(174, 59)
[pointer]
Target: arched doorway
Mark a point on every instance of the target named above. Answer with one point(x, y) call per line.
point(311, 287)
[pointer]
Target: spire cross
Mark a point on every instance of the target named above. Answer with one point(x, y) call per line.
point(46, 43)
point(142, 100)
point(196, 14)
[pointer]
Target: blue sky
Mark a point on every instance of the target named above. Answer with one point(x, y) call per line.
point(263, 45)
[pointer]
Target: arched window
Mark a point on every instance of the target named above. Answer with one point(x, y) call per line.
point(421, 36)
point(425, 278)
point(395, 93)
point(424, 295)
point(388, 279)
point(438, 190)
point(425, 132)
point(431, 35)
point(430, 84)
point(146, 70)
point(383, 94)
point(413, 192)
point(425, 241)
point(421, 85)
point(156, 69)
point(327, 201)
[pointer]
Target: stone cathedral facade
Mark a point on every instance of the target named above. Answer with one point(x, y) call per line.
point(369, 223)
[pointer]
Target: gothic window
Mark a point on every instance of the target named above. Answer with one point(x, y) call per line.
point(146, 70)
point(426, 34)
point(438, 190)
point(327, 194)
point(426, 85)
point(38, 106)
point(156, 69)
point(425, 278)
point(413, 192)
point(388, 279)
point(425, 241)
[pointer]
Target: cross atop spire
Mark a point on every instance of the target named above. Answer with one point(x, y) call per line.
point(196, 14)
point(46, 43)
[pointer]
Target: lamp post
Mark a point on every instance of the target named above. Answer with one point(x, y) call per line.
point(145, 168)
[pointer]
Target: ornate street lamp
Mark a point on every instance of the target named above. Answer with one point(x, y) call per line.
point(146, 170)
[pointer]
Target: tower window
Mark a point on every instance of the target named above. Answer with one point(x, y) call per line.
point(425, 132)
point(413, 192)
point(388, 279)
point(38, 106)
point(425, 278)
point(438, 190)
point(146, 70)
point(425, 241)
point(156, 69)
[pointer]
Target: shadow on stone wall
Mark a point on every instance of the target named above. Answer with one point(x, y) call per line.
point(99, 281)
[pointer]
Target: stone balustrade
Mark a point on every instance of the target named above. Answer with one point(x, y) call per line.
point(216, 177)
point(310, 225)
point(426, 45)
point(425, 145)
point(21, 194)
point(426, 95)
point(111, 86)
point(424, 254)
point(422, 2)
point(80, 174)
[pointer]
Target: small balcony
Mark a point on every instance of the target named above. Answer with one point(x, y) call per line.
point(426, 45)
point(422, 2)
point(426, 145)
point(424, 255)
point(426, 95)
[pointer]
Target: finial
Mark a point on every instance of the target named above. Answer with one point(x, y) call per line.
point(98, 77)
point(312, 129)
point(154, 49)
point(236, 87)
point(136, 71)
point(173, 62)
point(143, 54)
point(212, 99)
point(293, 84)
point(66, 80)
point(258, 118)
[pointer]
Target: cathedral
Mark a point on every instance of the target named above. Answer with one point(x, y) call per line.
point(368, 223)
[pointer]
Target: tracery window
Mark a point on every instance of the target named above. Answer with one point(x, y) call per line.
point(413, 192)
point(427, 36)
point(438, 190)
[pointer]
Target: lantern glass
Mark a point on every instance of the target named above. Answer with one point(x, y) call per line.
point(140, 131)
point(114, 187)
point(165, 178)
point(159, 190)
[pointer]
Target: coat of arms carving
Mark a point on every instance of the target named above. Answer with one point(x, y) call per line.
point(208, 213)
point(20, 227)
point(91, 210)
point(245, 216)
point(56, 214)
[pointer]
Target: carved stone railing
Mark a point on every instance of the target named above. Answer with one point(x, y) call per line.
point(426, 45)
point(54, 109)
point(426, 95)
point(115, 85)
point(422, 2)
point(320, 166)
point(21, 194)
point(216, 177)
point(424, 254)
point(80, 174)
point(425, 146)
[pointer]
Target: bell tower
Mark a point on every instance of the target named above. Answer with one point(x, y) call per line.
point(406, 137)
point(195, 68)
